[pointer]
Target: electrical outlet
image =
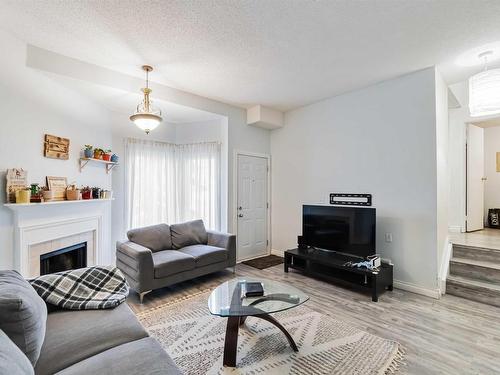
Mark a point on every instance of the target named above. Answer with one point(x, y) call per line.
point(388, 237)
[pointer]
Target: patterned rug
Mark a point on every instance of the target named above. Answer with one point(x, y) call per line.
point(195, 340)
point(264, 262)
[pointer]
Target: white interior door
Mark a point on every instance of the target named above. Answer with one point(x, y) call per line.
point(475, 178)
point(252, 206)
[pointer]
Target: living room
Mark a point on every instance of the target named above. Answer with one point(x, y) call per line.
point(190, 146)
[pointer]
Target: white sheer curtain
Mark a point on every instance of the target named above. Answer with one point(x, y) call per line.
point(168, 183)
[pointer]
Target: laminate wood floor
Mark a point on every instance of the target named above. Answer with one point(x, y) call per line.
point(447, 336)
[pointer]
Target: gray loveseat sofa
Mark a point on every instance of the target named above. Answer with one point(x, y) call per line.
point(162, 255)
point(33, 341)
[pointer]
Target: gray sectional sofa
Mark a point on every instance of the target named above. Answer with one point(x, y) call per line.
point(35, 341)
point(162, 255)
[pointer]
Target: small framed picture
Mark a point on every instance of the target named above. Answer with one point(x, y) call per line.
point(58, 185)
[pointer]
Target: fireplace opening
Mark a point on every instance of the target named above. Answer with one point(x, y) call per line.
point(68, 258)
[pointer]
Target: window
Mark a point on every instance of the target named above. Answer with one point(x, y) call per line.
point(169, 183)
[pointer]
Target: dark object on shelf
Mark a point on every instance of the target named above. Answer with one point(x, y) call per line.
point(332, 267)
point(348, 199)
point(96, 192)
point(254, 289)
point(264, 262)
point(494, 217)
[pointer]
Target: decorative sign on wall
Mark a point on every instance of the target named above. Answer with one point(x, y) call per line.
point(58, 185)
point(498, 161)
point(56, 147)
point(347, 199)
point(17, 179)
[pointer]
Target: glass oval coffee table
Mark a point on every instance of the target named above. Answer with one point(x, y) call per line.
point(229, 300)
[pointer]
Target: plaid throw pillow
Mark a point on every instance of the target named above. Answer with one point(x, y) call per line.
point(92, 288)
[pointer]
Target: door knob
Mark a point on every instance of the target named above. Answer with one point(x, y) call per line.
point(240, 215)
point(240, 208)
point(484, 178)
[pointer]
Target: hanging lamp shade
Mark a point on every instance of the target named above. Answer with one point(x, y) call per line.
point(146, 117)
point(484, 90)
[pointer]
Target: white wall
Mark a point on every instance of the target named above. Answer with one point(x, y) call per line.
point(442, 174)
point(492, 184)
point(379, 140)
point(458, 118)
point(33, 104)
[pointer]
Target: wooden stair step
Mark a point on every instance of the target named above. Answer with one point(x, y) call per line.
point(476, 253)
point(474, 290)
point(475, 269)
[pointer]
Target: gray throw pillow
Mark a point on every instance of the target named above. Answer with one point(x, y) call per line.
point(188, 233)
point(155, 237)
point(12, 359)
point(23, 314)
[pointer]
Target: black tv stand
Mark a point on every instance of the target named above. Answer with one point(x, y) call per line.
point(331, 267)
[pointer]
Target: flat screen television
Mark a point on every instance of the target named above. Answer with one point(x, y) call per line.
point(349, 230)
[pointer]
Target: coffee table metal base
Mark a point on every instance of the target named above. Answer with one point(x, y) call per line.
point(231, 341)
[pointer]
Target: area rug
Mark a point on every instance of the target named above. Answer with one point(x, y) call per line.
point(264, 262)
point(195, 341)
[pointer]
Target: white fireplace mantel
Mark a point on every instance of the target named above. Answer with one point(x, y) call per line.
point(38, 223)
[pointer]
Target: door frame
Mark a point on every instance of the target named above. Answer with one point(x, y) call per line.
point(234, 215)
point(465, 228)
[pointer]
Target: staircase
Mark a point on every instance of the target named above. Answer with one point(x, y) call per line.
point(475, 274)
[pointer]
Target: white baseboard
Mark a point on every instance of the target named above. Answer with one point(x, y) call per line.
point(279, 253)
point(433, 293)
point(455, 229)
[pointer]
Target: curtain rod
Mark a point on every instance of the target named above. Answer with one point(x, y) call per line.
point(170, 143)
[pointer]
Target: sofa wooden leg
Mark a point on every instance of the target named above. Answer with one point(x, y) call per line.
point(142, 294)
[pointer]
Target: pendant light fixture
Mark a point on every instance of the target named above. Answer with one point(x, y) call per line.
point(484, 90)
point(146, 116)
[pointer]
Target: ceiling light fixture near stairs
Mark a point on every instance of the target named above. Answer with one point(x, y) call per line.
point(146, 117)
point(484, 90)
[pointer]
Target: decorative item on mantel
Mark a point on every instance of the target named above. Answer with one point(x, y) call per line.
point(47, 195)
point(58, 185)
point(72, 193)
point(36, 193)
point(86, 193)
point(16, 179)
point(23, 195)
point(56, 147)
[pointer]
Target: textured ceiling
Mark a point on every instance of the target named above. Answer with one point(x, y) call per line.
point(279, 53)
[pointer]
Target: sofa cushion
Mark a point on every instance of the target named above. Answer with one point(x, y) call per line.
point(170, 262)
point(73, 336)
point(188, 233)
point(12, 359)
point(205, 254)
point(139, 357)
point(154, 237)
point(23, 314)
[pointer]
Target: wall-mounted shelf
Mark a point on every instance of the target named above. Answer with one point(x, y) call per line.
point(109, 164)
